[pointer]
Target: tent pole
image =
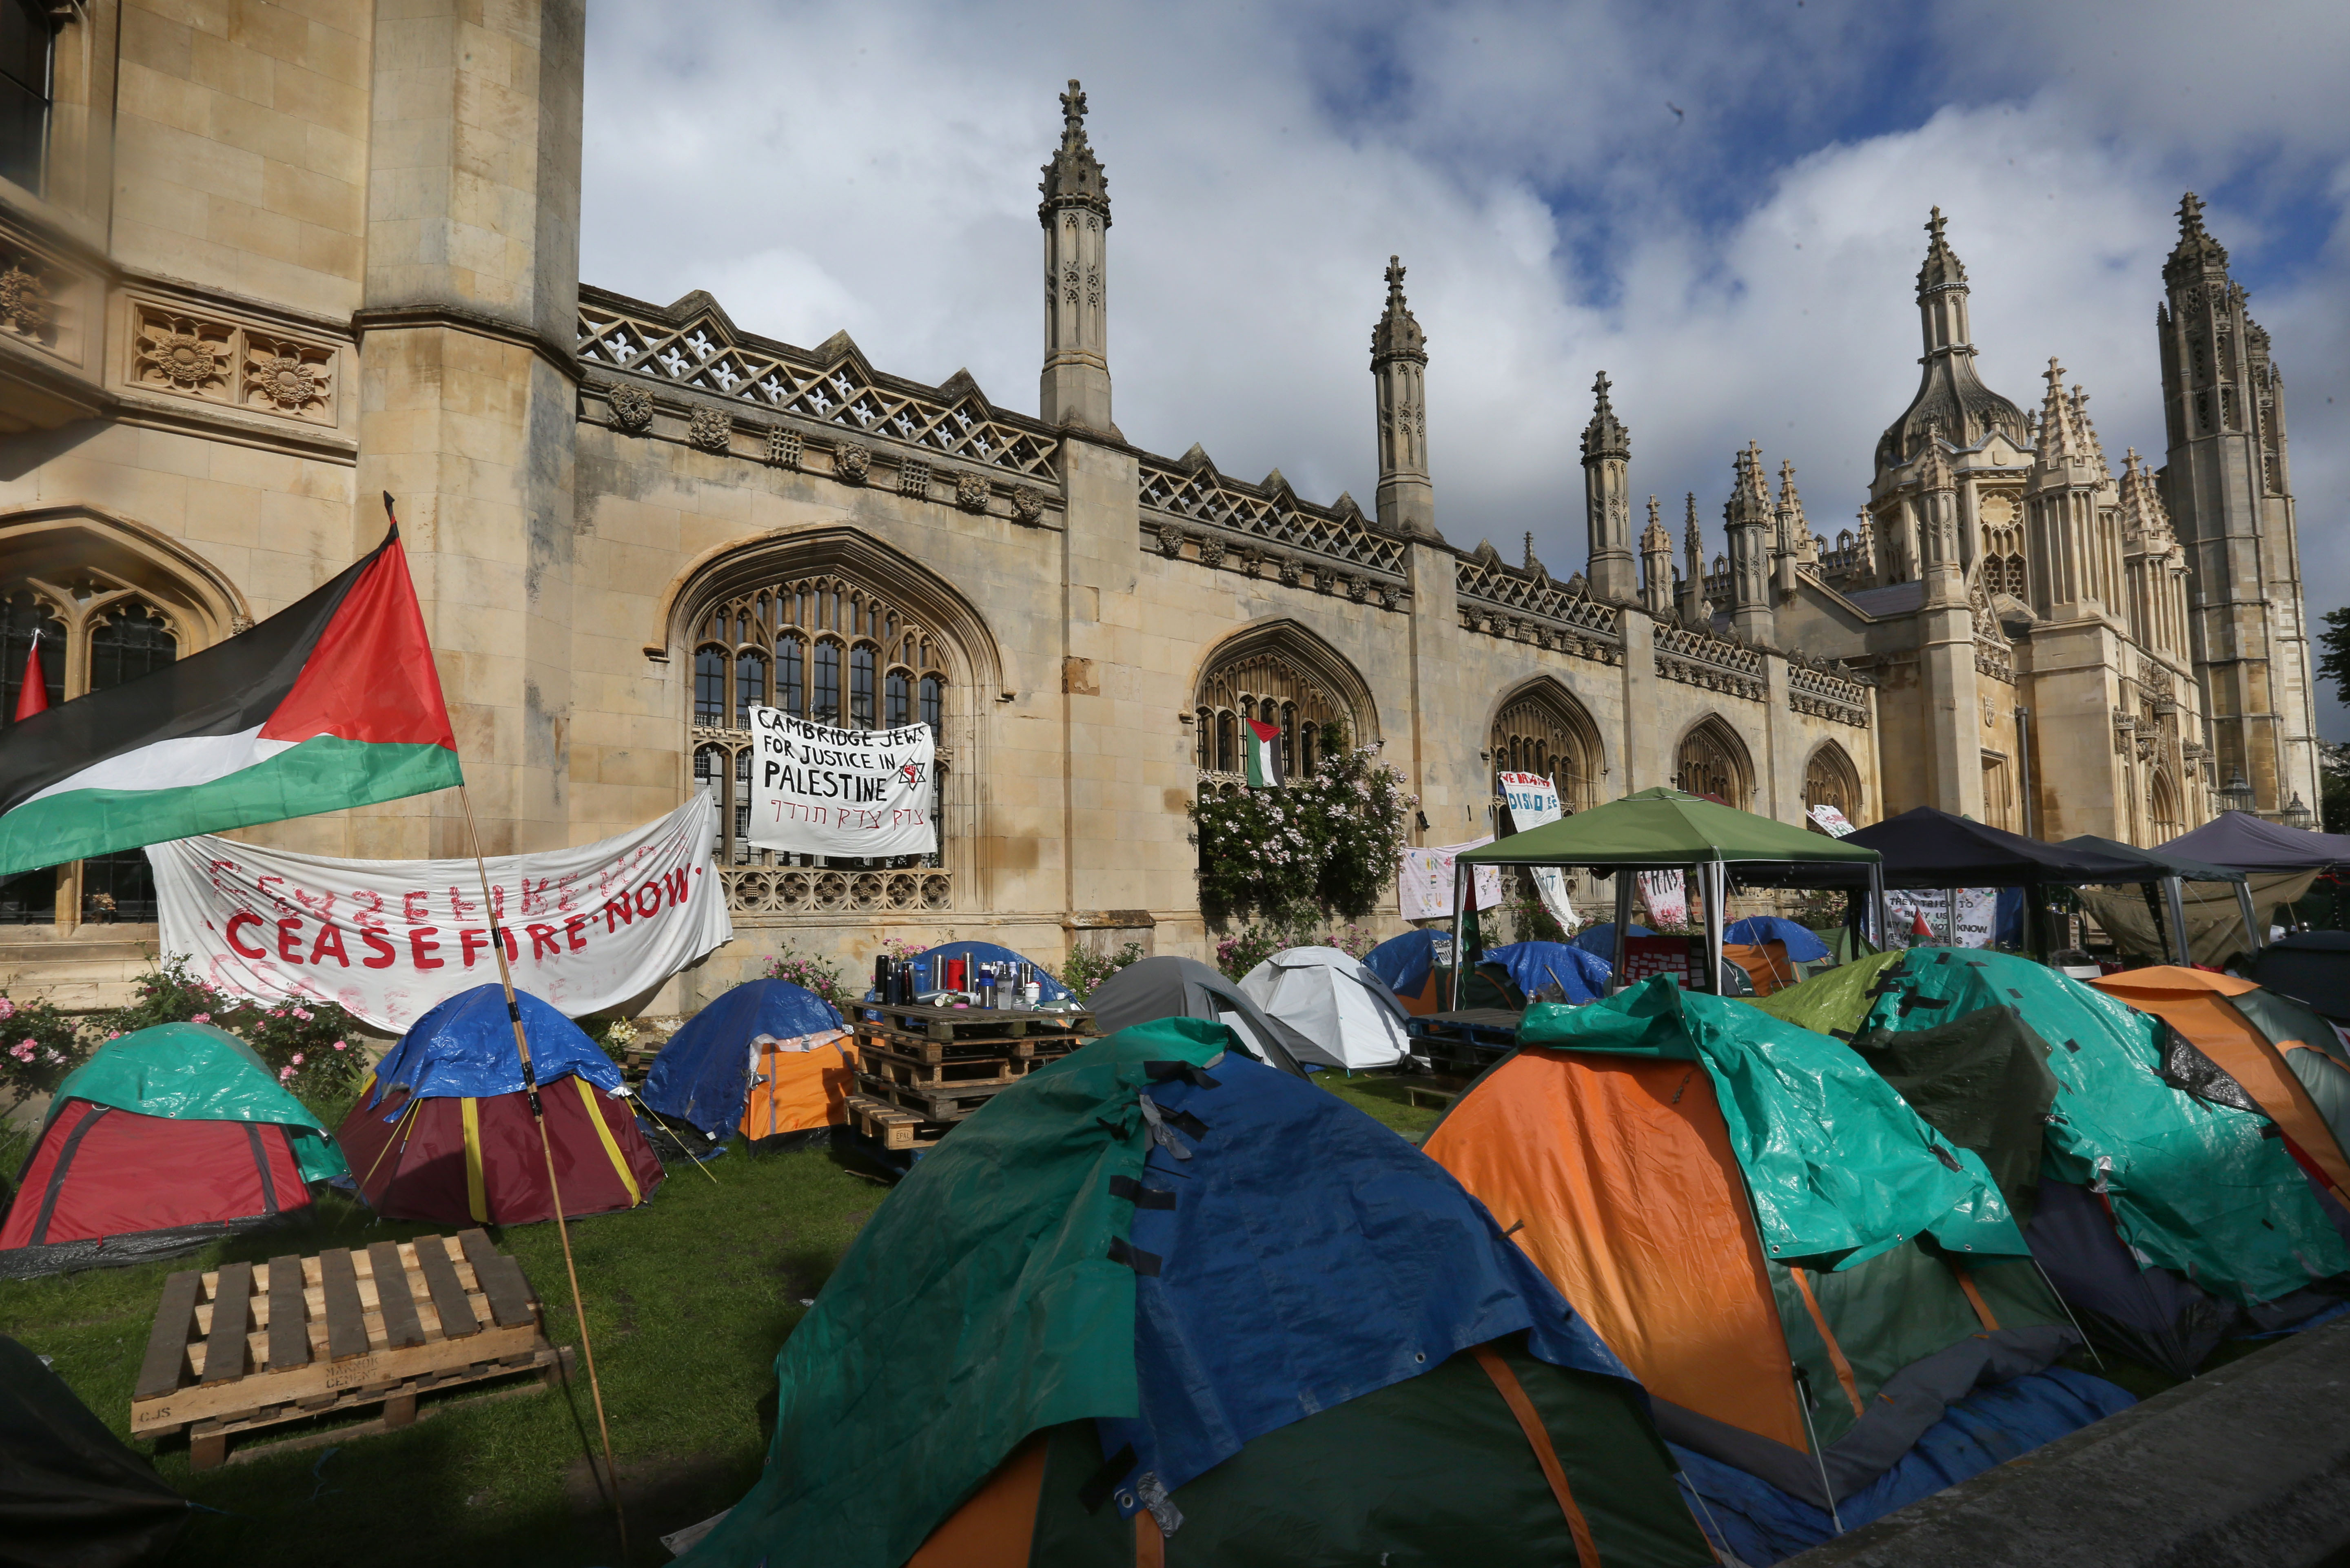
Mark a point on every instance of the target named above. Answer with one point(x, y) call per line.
point(2175, 895)
point(2164, 942)
point(1463, 878)
point(2252, 932)
point(1714, 881)
point(1876, 900)
point(538, 1116)
point(1622, 926)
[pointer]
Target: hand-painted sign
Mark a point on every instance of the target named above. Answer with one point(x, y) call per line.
point(816, 790)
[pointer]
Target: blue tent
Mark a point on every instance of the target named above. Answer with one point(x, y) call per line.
point(1804, 944)
point(1050, 989)
point(703, 1075)
point(1532, 965)
point(1600, 940)
point(1404, 963)
point(464, 1047)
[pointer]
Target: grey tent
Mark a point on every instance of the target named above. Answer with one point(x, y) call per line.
point(1186, 988)
point(72, 1494)
point(2248, 843)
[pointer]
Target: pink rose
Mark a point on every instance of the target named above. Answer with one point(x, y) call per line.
point(339, 1046)
point(22, 1052)
point(302, 1015)
point(284, 1073)
point(297, 1058)
point(201, 1018)
point(7, 1008)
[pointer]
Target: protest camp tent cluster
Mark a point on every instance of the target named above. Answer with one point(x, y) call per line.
point(166, 1139)
point(1408, 964)
point(1170, 987)
point(1804, 1274)
point(2157, 1196)
point(1160, 1302)
point(767, 1060)
point(1346, 1013)
point(443, 1130)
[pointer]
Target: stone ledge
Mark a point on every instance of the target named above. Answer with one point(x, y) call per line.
point(2246, 1467)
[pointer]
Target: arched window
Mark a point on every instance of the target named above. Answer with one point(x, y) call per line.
point(934, 696)
point(28, 46)
point(710, 687)
point(1544, 730)
point(1830, 779)
point(860, 687)
point(825, 703)
point(2164, 820)
point(1712, 760)
point(23, 615)
point(1282, 676)
point(750, 685)
point(901, 700)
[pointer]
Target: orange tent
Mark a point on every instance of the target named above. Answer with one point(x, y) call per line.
point(800, 1085)
point(2202, 1007)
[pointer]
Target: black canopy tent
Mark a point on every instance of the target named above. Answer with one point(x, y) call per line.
point(2243, 842)
point(2177, 869)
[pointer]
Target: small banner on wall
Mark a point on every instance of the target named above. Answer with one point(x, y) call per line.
point(1665, 894)
point(816, 790)
point(1533, 801)
point(1833, 822)
point(1424, 881)
point(584, 929)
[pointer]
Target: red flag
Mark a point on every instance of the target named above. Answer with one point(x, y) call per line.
point(1918, 928)
point(35, 697)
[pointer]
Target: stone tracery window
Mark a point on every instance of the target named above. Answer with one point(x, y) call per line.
point(1830, 779)
point(789, 645)
point(1545, 731)
point(1714, 760)
point(1270, 687)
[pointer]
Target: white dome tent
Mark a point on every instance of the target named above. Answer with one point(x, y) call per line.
point(1346, 1012)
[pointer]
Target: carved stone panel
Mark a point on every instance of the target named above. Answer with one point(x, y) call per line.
point(190, 355)
point(710, 429)
point(632, 409)
point(971, 491)
point(851, 463)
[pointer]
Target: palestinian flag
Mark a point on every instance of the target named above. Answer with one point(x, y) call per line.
point(331, 702)
point(1265, 770)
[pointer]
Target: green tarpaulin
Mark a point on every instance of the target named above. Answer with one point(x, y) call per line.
point(1832, 1002)
point(1838, 1168)
point(2206, 1189)
point(193, 1071)
point(1665, 827)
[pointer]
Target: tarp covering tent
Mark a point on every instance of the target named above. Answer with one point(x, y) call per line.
point(2313, 966)
point(1168, 987)
point(442, 1131)
point(166, 1139)
point(2221, 915)
point(756, 1060)
point(1049, 989)
point(1535, 967)
point(2165, 1218)
point(1802, 943)
point(1157, 1302)
point(1598, 939)
point(1348, 1016)
point(72, 1494)
point(1408, 964)
point(2249, 843)
point(1802, 1273)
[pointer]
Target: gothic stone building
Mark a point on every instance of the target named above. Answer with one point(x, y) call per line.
point(260, 263)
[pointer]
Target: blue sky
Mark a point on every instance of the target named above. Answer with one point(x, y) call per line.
point(1743, 268)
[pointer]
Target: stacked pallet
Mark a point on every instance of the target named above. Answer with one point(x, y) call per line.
point(920, 1070)
point(252, 1346)
point(1460, 1046)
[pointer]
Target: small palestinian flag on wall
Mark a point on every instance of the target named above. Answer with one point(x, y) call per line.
point(1264, 769)
point(331, 702)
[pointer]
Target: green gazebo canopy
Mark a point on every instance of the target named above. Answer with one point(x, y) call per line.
point(1662, 828)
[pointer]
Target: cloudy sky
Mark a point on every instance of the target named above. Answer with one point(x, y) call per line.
point(1718, 206)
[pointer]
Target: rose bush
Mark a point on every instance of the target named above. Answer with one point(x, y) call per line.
point(1322, 847)
point(316, 1049)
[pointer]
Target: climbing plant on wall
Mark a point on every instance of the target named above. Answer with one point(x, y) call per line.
point(1323, 846)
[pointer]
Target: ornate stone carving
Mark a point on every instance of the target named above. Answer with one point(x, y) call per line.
point(1211, 551)
point(238, 625)
point(1290, 572)
point(179, 354)
point(287, 377)
point(1028, 504)
point(971, 491)
point(1359, 588)
point(784, 448)
point(25, 307)
point(851, 463)
point(710, 429)
point(632, 409)
point(1390, 595)
point(914, 479)
point(1170, 540)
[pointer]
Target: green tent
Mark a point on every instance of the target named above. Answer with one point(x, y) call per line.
point(1157, 1294)
point(198, 1073)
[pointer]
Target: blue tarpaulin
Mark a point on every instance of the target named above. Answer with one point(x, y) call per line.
point(1803, 945)
point(703, 1075)
point(1313, 1257)
point(1533, 965)
point(1600, 940)
point(988, 952)
point(1405, 962)
point(1761, 1524)
point(465, 1047)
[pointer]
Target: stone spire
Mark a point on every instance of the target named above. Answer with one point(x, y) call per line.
point(1749, 521)
point(1793, 545)
point(2153, 565)
point(1696, 613)
point(2064, 436)
point(1075, 212)
point(2070, 511)
point(1949, 391)
point(1864, 551)
point(1655, 565)
point(1406, 501)
point(1606, 455)
point(2197, 253)
point(2143, 517)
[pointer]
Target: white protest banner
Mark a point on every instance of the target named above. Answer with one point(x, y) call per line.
point(816, 790)
point(1533, 801)
point(1424, 881)
point(1955, 918)
point(1666, 898)
point(584, 929)
point(1834, 823)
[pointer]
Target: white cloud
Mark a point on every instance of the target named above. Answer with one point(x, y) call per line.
point(1745, 271)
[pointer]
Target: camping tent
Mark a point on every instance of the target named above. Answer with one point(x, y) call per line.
point(1665, 829)
point(2249, 843)
point(1579, 975)
point(1408, 964)
point(1169, 987)
point(1049, 989)
point(1158, 1303)
point(1348, 1016)
point(2165, 1217)
point(443, 1131)
point(764, 1059)
point(2313, 966)
point(164, 1140)
point(72, 1494)
point(1802, 1273)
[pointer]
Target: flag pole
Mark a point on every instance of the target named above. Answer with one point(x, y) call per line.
point(538, 1117)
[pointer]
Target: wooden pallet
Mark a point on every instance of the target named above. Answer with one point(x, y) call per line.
point(973, 1025)
point(1465, 1042)
point(956, 1073)
point(933, 1103)
point(891, 1127)
point(251, 1345)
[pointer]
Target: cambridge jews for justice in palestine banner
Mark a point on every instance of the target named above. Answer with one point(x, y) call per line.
point(816, 790)
point(585, 928)
point(331, 702)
